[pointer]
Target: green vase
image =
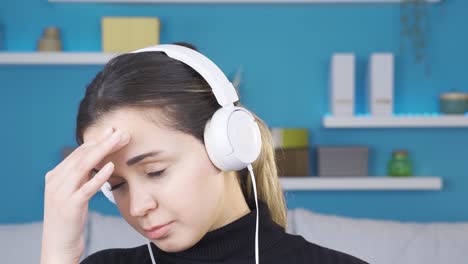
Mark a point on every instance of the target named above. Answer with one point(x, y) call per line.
point(400, 165)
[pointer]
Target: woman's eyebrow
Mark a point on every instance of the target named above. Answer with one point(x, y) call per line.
point(141, 157)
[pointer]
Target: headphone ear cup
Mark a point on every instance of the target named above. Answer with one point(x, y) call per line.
point(105, 189)
point(232, 138)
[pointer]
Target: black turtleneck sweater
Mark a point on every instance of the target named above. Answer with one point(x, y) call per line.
point(234, 243)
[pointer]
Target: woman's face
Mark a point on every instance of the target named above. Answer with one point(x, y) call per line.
point(177, 185)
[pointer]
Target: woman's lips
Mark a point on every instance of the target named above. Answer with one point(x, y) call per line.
point(158, 231)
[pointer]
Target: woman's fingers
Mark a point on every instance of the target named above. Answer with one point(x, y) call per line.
point(92, 156)
point(94, 184)
point(66, 208)
point(68, 163)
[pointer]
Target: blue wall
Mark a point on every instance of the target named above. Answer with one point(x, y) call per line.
point(285, 51)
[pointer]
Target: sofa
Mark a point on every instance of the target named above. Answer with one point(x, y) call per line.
point(376, 241)
point(384, 242)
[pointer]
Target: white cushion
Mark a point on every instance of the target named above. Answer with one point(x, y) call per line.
point(21, 243)
point(383, 241)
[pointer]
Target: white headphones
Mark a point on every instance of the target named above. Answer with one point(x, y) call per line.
point(232, 136)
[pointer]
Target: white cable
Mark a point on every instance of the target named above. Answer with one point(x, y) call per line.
point(150, 251)
point(252, 176)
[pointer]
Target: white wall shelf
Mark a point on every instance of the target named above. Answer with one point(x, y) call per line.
point(396, 121)
point(45, 58)
point(313, 183)
point(239, 1)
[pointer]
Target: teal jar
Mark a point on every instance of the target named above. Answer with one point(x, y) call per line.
point(454, 103)
point(400, 164)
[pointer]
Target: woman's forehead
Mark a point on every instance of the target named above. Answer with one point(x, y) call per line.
point(134, 122)
point(146, 134)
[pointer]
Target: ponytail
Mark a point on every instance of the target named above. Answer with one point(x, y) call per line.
point(266, 178)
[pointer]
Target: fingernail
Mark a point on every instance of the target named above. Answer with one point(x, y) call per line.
point(108, 166)
point(116, 136)
point(124, 138)
point(107, 132)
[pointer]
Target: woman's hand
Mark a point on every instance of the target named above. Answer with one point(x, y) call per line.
point(68, 189)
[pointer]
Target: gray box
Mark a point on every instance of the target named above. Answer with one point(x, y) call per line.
point(343, 161)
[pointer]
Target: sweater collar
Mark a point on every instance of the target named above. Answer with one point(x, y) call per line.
point(235, 240)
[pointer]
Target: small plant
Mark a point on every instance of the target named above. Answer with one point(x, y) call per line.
point(415, 27)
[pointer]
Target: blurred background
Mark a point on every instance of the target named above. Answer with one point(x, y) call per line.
point(282, 55)
point(367, 102)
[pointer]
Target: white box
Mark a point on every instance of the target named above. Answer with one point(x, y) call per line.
point(380, 84)
point(342, 84)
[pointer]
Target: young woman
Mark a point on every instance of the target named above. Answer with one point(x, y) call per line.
point(147, 128)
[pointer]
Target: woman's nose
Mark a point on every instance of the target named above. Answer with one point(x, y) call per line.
point(141, 201)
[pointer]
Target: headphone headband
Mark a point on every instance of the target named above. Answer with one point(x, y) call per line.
point(223, 89)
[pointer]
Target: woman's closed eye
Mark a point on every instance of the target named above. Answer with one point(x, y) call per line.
point(151, 174)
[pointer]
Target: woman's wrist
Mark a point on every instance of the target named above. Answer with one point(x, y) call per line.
point(48, 259)
point(53, 257)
